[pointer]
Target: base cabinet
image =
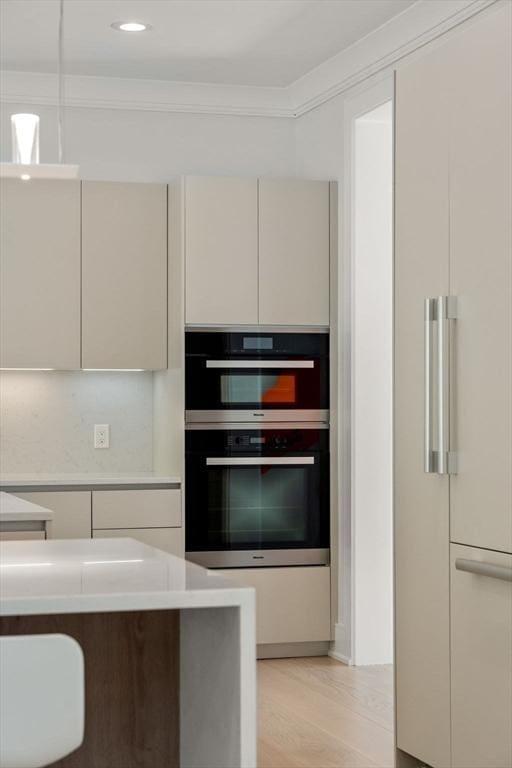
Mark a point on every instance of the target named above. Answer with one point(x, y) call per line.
point(150, 516)
point(481, 663)
point(156, 508)
point(71, 511)
point(22, 536)
point(292, 604)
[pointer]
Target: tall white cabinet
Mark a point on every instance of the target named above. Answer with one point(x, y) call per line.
point(39, 274)
point(453, 530)
point(481, 276)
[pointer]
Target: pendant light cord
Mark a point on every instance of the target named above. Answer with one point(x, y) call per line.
point(60, 74)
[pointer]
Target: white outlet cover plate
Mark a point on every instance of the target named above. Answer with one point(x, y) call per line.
point(102, 435)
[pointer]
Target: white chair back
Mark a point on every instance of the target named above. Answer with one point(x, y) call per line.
point(42, 699)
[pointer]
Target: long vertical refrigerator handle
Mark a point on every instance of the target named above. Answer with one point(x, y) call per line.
point(443, 392)
point(441, 459)
point(430, 316)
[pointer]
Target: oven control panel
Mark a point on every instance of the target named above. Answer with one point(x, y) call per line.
point(251, 441)
point(260, 442)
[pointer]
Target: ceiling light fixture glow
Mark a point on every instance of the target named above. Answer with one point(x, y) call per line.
point(130, 26)
point(25, 163)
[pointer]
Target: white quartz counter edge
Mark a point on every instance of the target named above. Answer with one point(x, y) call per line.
point(96, 575)
point(242, 597)
point(13, 509)
point(87, 480)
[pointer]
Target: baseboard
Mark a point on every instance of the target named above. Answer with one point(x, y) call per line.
point(340, 657)
point(341, 646)
point(404, 760)
point(292, 650)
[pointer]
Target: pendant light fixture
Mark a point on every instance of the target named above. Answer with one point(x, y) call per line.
point(25, 163)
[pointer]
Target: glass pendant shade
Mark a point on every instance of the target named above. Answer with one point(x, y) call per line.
point(25, 139)
point(25, 163)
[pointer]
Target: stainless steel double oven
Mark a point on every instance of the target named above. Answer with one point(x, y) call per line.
point(257, 447)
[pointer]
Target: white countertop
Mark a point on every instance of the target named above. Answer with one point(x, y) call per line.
point(91, 575)
point(14, 509)
point(88, 480)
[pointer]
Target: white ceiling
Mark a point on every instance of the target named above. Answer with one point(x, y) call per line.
point(242, 42)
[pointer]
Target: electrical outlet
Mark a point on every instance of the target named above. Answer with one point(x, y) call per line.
point(102, 435)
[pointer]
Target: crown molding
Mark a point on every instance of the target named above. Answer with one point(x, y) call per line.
point(40, 89)
point(418, 25)
point(382, 49)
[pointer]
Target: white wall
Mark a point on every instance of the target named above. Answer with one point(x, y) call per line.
point(372, 388)
point(47, 420)
point(325, 150)
point(320, 154)
point(130, 145)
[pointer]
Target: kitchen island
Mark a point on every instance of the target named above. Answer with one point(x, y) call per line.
point(169, 649)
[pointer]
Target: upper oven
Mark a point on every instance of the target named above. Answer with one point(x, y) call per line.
point(256, 375)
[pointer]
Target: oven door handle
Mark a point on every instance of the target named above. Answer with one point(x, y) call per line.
point(260, 363)
point(260, 461)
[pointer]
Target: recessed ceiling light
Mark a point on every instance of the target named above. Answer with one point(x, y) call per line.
point(130, 26)
point(25, 177)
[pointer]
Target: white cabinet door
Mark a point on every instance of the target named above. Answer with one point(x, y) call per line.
point(221, 251)
point(422, 609)
point(481, 659)
point(481, 278)
point(293, 252)
point(155, 508)
point(40, 274)
point(169, 539)
point(292, 604)
point(71, 512)
point(124, 275)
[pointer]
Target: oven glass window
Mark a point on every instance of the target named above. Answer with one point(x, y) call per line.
point(254, 506)
point(258, 388)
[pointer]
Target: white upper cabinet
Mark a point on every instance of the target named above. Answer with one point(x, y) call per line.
point(40, 274)
point(221, 242)
point(124, 275)
point(293, 252)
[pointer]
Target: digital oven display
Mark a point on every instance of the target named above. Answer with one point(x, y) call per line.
point(258, 342)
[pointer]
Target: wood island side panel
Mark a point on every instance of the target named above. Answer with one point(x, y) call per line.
point(132, 684)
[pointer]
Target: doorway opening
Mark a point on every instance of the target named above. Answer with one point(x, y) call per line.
point(366, 546)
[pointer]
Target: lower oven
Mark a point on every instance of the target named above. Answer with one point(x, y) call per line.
point(257, 496)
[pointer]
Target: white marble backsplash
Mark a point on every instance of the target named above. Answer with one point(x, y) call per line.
point(47, 421)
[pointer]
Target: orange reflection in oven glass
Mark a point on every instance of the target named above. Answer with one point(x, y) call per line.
point(283, 391)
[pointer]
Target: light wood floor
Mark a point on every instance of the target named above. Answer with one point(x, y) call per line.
point(319, 713)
